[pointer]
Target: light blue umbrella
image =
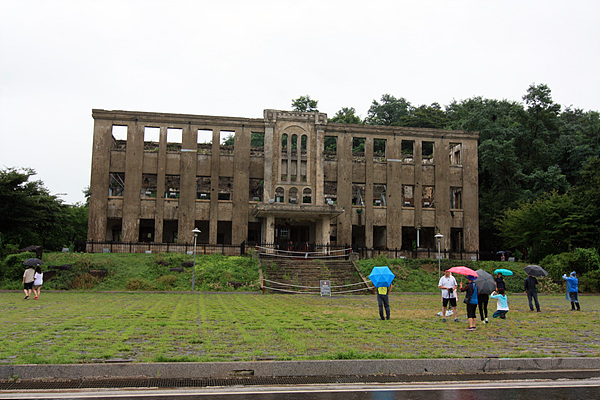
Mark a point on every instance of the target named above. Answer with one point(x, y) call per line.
point(382, 276)
point(505, 272)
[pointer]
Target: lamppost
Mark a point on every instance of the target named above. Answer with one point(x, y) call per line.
point(439, 237)
point(196, 232)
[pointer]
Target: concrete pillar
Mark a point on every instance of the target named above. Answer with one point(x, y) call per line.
point(134, 157)
point(368, 218)
point(394, 193)
point(100, 180)
point(269, 229)
point(344, 188)
point(160, 185)
point(269, 154)
point(319, 181)
point(442, 190)
point(187, 182)
point(214, 186)
point(241, 185)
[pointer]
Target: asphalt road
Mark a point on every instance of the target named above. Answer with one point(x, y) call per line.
point(568, 389)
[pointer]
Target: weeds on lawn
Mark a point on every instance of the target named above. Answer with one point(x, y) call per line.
point(86, 327)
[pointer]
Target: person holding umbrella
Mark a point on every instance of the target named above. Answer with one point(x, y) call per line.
point(382, 278)
point(28, 278)
point(448, 285)
point(531, 292)
point(471, 301)
point(572, 285)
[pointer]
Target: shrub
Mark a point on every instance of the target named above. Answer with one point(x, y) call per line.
point(166, 281)
point(84, 281)
point(579, 260)
point(590, 281)
point(12, 268)
point(139, 284)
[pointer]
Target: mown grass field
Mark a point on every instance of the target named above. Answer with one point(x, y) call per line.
point(85, 327)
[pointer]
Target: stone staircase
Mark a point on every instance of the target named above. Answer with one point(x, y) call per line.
point(309, 273)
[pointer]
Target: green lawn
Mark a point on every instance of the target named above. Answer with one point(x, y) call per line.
point(76, 327)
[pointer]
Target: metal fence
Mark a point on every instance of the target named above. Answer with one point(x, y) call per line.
point(295, 248)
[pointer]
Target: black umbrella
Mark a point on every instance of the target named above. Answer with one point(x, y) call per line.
point(535, 270)
point(33, 262)
point(485, 283)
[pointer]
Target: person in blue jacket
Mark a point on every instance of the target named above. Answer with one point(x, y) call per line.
point(471, 301)
point(572, 285)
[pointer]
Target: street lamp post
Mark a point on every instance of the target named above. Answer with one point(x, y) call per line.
point(439, 237)
point(196, 232)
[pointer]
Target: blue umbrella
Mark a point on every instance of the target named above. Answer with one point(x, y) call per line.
point(382, 276)
point(505, 272)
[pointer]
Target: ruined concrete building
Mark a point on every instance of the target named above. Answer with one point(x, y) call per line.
point(287, 177)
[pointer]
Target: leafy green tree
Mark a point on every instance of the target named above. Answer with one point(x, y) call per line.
point(550, 224)
point(30, 215)
point(305, 104)
point(432, 116)
point(391, 111)
point(347, 115)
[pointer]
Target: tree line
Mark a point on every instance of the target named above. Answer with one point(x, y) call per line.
point(539, 173)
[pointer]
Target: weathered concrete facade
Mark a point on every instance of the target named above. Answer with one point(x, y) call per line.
point(312, 181)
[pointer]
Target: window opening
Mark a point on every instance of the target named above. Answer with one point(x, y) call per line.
point(330, 192)
point(148, 185)
point(279, 195)
point(293, 196)
point(174, 139)
point(427, 152)
point(330, 148)
point(456, 198)
point(379, 149)
point(225, 188)
point(203, 187)
point(257, 139)
point(358, 194)
point(455, 156)
point(408, 195)
point(256, 189)
point(306, 196)
point(407, 149)
point(172, 186)
point(117, 184)
point(358, 145)
point(205, 136)
point(427, 197)
point(379, 195)
point(151, 138)
point(146, 232)
point(303, 143)
point(227, 138)
point(119, 134)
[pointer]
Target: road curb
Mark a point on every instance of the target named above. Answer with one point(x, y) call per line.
point(294, 368)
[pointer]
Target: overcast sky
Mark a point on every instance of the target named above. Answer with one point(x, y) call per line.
point(60, 59)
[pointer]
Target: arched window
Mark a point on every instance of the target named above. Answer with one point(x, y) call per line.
point(284, 141)
point(279, 195)
point(294, 144)
point(307, 196)
point(293, 196)
point(303, 143)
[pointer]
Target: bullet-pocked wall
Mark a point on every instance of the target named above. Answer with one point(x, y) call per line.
point(289, 177)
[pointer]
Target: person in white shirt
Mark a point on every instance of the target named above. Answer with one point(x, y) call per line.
point(502, 306)
point(38, 281)
point(448, 285)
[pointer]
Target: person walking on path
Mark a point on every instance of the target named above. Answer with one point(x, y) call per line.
point(383, 301)
point(28, 278)
point(448, 285)
point(482, 303)
point(502, 305)
point(38, 281)
point(572, 289)
point(471, 301)
point(531, 292)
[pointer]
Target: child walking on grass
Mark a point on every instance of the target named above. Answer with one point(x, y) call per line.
point(502, 305)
